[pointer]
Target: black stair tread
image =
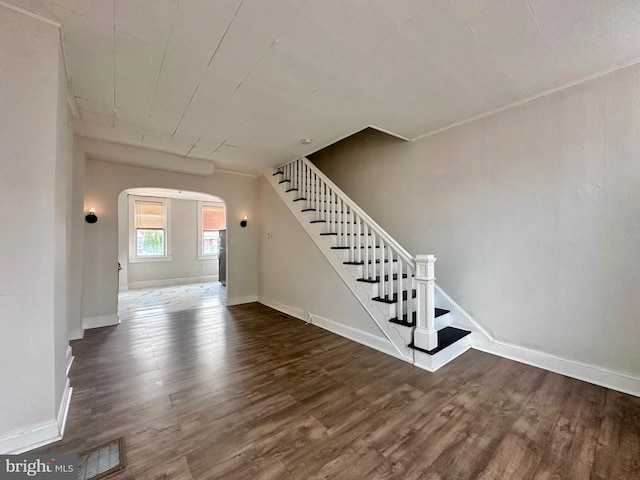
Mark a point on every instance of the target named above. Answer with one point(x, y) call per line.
point(318, 221)
point(298, 199)
point(412, 322)
point(362, 262)
point(328, 233)
point(279, 172)
point(394, 299)
point(284, 180)
point(446, 337)
point(291, 190)
point(308, 210)
point(377, 279)
point(346, 248)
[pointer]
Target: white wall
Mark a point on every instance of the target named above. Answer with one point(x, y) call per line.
point(105, 181)
point(533, 213)
point(294, 274)
point(34, 153)
point(184, 262)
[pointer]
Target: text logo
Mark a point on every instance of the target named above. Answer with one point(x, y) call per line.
point(51, 467)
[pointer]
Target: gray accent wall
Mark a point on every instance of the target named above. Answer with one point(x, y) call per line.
point(533, 213)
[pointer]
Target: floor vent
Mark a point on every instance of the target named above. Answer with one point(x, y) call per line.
point(102, 461)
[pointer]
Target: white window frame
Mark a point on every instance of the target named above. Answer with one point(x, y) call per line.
point(201, 255)
point(133, 250)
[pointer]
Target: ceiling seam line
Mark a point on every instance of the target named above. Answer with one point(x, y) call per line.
point(255, 65)
point(553, 54)
point(164, 54)
point(215, 52)
point(515, 84)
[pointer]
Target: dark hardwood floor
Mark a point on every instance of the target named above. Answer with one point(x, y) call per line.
point(248, 393)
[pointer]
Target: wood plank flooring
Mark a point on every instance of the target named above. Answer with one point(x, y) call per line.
point(246, 392)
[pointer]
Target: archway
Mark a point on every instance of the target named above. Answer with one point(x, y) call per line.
point(171, 251)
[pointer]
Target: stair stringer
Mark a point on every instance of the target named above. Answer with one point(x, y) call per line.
point(460, 318)
point(400, 337)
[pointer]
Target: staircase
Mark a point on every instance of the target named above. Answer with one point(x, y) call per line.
point(397, 290)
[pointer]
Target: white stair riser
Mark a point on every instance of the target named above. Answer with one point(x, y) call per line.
point(432, 363)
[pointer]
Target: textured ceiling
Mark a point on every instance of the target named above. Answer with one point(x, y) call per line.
point(240, 82)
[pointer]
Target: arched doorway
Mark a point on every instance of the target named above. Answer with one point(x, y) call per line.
point(171, 251)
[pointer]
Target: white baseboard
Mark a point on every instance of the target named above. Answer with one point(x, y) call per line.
point(76, 334)
point(240, 300)
point(100, 321)
point(170, 282)
point(364, 338)
point(581, 371)
point(70, 358)
point(484, 341)
point(34, 436)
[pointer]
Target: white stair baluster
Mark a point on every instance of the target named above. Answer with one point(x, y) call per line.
point(400, 306)
point(352, 242)
point(367, 255)
point(295, 176)
point(339, 225)
point(316, 196)
point(383, 270)
point(359, 239)
point(390, 284)
point(374, 254)
point(332, 212)
point(323, 193)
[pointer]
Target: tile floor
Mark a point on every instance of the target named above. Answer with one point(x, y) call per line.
point(152, 301)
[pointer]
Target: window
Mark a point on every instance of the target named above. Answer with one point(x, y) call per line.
point(210, 222)
point(149, 229)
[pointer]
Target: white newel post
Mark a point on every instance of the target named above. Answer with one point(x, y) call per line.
point(425, 335)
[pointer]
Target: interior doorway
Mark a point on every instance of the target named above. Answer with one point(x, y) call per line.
point(171, 251)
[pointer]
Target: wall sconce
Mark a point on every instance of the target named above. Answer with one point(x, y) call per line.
point(91, 216)
point(243, 223)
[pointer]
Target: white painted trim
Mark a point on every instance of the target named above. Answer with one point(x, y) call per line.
point(431, 363)
point(151, 259)
point(253, 175)
point(456, 309)
point(63, 411)
point(388, 132)
point(76, 333)
point(100, 321)
point(372, 224)
point(378, 312)
point(70, 359)
point(482, 340)
point(133, 255)
point(28, 438)
point(579, 370)
point(367, 339)
point(171, 282)
point(231, 301)
point(528, 99)
point(208, 203)
point(30, 14)
point(34, 436)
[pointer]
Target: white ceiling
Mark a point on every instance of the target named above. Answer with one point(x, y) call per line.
point(240, 82)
